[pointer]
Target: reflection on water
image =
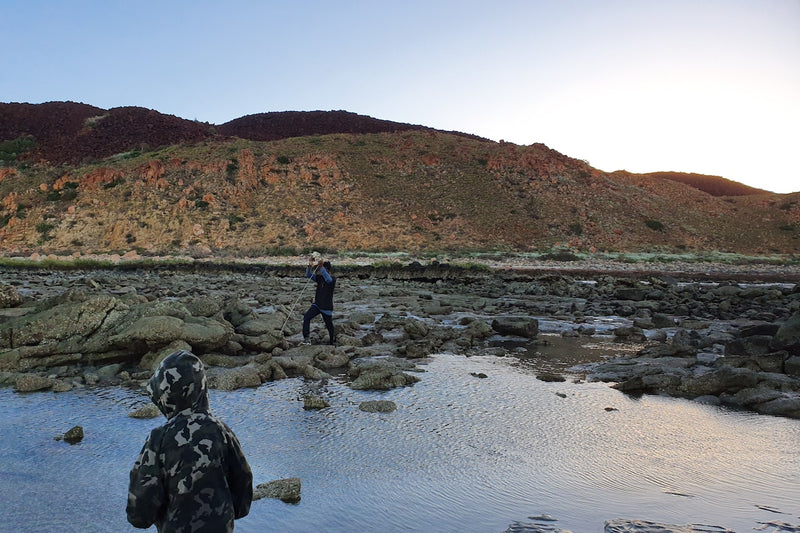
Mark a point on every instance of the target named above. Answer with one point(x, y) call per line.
point(459, 454)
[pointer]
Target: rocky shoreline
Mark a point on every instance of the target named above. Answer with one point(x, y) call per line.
point(715, 333)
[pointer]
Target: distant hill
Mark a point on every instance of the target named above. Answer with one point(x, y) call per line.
point(713, 185)
point(282, 125)
point(68, 132)
point(80, 179)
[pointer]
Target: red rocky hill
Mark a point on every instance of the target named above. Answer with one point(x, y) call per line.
point(336, 180)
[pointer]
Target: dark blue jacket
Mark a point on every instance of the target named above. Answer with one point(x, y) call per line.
point(323, 297)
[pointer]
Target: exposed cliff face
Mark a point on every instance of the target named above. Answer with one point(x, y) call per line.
point(408, 190)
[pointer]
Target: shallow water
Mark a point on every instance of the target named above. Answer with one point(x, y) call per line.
point(459, 454)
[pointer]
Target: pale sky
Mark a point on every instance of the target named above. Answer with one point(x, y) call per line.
point(700, 86)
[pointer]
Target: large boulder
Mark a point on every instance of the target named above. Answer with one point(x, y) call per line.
point(787, 405)
point(520, 327)
point(715, 382)
point(150, 333)
point(792, 366)
point(788, 336)
point(67, 320)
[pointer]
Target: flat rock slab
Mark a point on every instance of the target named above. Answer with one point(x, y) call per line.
point(644, 526)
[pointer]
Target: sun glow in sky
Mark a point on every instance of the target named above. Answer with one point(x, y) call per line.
point(705, 86)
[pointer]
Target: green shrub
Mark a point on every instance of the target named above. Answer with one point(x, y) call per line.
point(44, 227)
point(654, 225)
point(233, 220)
point(11, 150)
point(112, 184)
point(283, 160)
point(202, 204)
point(576, 229)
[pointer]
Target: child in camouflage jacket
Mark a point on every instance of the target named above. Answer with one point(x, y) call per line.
point(191, 475)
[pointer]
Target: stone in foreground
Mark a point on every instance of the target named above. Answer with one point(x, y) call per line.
point(287, 490)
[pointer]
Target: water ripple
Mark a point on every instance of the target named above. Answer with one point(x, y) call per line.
point(460, 453)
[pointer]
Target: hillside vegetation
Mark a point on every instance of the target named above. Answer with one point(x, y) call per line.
point(177, 186)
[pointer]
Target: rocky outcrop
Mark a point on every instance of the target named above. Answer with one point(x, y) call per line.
point(380, 374)
point(743, 372)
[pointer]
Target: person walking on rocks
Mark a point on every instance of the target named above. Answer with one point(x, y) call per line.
point(191, 475)
point(323, 297)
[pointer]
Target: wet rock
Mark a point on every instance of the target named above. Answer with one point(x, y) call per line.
point(792, 366)
point(550, 377)
point(151, 360)
point(270, 371)
point(788, 336)
point(629, 333)
point(32, 383)
point(520, 327)
point(751, 345)
point(146, 411)
point(225, 361)
point(643, 526)
point(715, 382)
point(787, 405)
point(416, 329)
point(533, 527)
point(234, 378)
point(74, 435)
point(287, 490)
point(61, 385)
point(378, 406)
point(312, 372)
point(329, 357)
point(313, 401)
point(661, 320)
point(635, 294)
point(378, 375)
point(109, 372)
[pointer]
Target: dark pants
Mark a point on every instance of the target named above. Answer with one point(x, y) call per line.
point(311, 313)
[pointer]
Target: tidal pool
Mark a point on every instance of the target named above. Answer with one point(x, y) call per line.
point(460, 454)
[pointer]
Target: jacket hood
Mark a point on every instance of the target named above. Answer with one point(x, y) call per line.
point(179, 385)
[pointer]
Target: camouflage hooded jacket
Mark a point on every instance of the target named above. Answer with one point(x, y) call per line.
point(191, 475)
